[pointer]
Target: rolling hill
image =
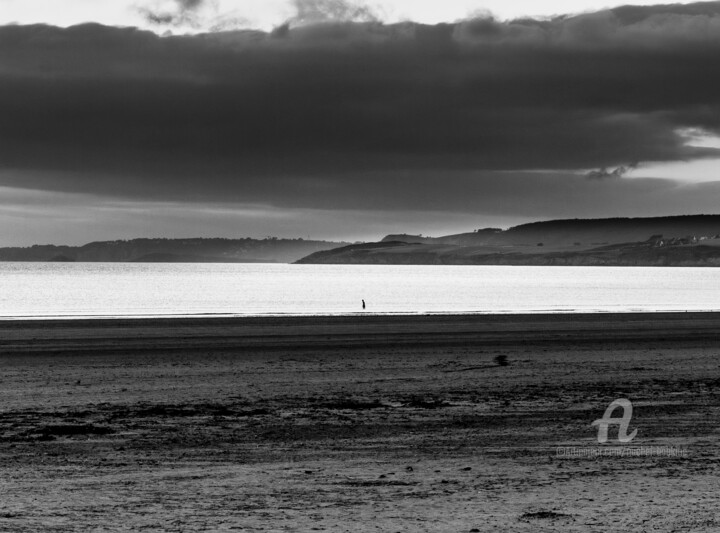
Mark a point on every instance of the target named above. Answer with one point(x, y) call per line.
point(661, 241)
point(270, 250)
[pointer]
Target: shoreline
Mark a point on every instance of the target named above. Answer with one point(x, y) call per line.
point(356, 314)
point(360, 314)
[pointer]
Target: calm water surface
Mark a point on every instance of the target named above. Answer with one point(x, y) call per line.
point(121, 289)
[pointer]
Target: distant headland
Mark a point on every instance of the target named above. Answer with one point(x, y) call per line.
point(692, 240)
point(269, 250)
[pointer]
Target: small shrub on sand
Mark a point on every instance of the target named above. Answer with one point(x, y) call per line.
point(501, 360)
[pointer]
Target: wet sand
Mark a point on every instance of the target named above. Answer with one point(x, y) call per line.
point(358, 423)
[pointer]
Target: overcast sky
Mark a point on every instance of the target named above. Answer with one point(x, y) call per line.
point(325, 119)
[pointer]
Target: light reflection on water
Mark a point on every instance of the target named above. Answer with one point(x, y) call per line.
point(157, 289)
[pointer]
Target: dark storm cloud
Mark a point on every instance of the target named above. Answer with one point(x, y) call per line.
point(324, 111)
point(604, 173)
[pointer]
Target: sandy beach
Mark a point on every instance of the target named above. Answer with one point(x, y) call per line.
point(359, 423)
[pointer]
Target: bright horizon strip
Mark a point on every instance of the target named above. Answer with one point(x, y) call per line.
point(267, 14)
point(687, 172)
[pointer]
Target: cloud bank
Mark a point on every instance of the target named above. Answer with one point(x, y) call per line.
point(336, 109)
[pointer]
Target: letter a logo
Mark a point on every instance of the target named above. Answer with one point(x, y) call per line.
point(607, 419)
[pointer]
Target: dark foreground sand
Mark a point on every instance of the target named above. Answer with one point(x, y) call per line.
point(357, 424)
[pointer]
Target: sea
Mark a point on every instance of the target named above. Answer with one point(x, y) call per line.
point(100, 290)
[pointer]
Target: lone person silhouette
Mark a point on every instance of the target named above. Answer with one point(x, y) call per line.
point(363, 304)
